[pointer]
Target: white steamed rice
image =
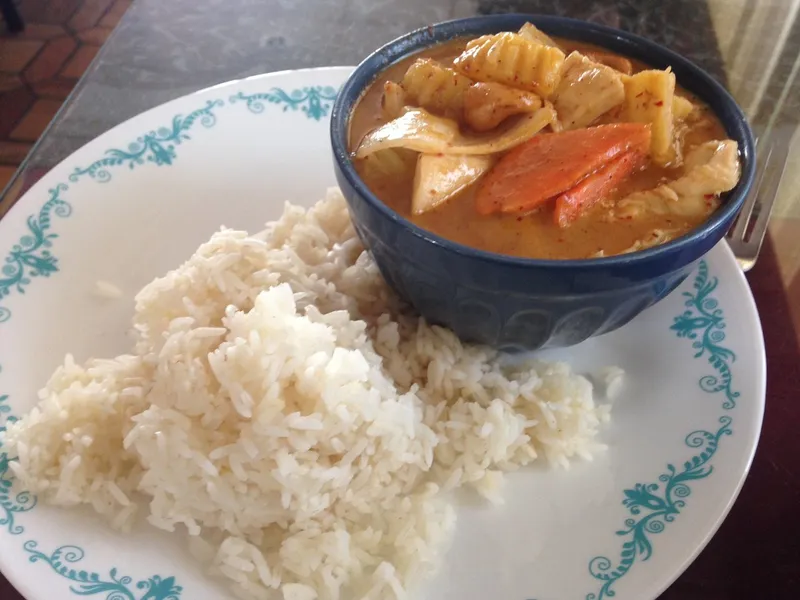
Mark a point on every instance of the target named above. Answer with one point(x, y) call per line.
point(294, 418)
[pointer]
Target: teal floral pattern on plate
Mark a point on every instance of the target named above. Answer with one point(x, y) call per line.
point(31, 257)
point(157, 147)
point(654, 505)
point(84, 583)
point(314, 101)
point(704, 324)
point(11, 503)
point(112, 587)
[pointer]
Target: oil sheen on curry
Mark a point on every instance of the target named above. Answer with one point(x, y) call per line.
point(519, 144)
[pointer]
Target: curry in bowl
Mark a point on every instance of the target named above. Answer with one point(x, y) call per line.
point(524, 145)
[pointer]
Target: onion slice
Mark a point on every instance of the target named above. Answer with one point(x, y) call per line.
point(421, 131)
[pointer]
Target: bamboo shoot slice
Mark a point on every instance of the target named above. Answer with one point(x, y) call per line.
point(440, 177)
point(648, 99)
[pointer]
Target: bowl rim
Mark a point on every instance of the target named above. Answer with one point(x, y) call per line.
point(386, 55)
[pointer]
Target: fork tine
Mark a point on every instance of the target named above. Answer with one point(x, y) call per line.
point(743, 220)
point(769, 190)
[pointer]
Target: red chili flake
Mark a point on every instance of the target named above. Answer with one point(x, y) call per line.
point(708, 196)
point(659, 103)
point(519, 218)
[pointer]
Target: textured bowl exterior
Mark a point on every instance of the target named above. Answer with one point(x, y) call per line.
point(517, 304)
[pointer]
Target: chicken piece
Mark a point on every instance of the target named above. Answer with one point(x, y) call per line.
point(711, 169)
point(436, 88)
point(531, 32)
point(649, 97)
point(393, 100)
point(417, 129)
point(587, 91)
point(440, 177)
point(616, 62)
point(513, 60)
point(486, 105)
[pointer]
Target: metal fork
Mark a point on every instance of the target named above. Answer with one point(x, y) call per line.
point(750, 228)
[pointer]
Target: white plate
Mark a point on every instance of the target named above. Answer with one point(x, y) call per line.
point(139, 199)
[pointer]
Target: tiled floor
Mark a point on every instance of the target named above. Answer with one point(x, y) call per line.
point(39, 66)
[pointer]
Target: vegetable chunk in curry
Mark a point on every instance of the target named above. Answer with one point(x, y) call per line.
point(520, 144)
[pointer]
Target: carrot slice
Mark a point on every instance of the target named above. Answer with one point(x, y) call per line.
point(592, 189)
point(551, 163)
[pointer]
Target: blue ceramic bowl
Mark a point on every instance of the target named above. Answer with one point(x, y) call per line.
point(517, 304)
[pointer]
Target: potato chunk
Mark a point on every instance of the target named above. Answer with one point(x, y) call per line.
point(513, 60)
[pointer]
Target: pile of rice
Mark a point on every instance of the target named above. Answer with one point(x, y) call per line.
point(301, 424)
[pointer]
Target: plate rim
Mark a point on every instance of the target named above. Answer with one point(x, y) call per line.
point(761, 386)
point(751, 309)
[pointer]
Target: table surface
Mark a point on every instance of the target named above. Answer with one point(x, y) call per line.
point(165, 49)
